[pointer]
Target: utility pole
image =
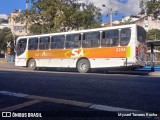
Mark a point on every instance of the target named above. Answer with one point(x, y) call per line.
point(27, 16)
point(111, 12)
point(27, 4)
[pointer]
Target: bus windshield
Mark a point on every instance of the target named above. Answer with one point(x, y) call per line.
point(21, 46)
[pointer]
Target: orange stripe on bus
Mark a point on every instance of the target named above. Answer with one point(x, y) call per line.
point(110, 52)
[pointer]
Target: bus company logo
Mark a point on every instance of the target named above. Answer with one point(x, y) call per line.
point(76, 53)
point(6, 114)
point(43, 54)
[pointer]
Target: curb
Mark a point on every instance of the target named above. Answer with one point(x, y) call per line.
point(129, 72)
point(154, 74)
point(11, 66)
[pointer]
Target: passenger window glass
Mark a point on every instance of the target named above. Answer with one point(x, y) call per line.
point(73, 41)
point(44, 43)
point(141, 34)
point(91, 39)
point(57, 42)
point(21, 46)
point(125, 36)
point(33, 44)
point(110, 38)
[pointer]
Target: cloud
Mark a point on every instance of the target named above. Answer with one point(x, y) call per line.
point(127, 7)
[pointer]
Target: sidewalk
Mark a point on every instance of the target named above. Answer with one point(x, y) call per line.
point(7, 65)
point(10, 65)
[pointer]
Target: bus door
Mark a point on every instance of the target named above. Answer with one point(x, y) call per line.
point(21, 52)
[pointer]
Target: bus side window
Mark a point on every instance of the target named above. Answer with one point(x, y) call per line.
point(33, 44)
point(69, 42)
point(91, 39)
point(57, 42)
point(73, 41)
point(77, 40)
point(110, 38)
point(44, 43)
point(125, 35)
point(113, 36)
point(96, 39)
point(104, 42)
point(141, 34)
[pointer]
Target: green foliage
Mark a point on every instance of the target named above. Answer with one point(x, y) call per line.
point(56, 15)
point(5, 36)
point(35, 29)
point(152, 7)
point(153, 34)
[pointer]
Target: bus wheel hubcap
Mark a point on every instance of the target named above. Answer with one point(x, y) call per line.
point(32, 64)
point(83, 66)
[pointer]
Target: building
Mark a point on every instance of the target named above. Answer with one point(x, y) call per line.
point(145, 21)
point(4, 25)
point(148, 23)
point(17, 28)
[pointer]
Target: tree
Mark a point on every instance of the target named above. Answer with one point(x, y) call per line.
point(5, 36)
point(57, 15)
point(153, 34)
point(151, 7)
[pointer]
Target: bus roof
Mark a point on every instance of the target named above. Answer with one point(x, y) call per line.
point(81, 31)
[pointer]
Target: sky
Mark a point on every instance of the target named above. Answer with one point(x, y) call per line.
point(124, 7)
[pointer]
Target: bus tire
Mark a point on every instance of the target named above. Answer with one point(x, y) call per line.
point(83, 66)
point(32, 64)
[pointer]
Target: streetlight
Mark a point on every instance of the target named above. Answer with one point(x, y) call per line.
point(111, 12)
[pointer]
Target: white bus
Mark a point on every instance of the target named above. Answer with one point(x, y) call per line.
point(118, 46)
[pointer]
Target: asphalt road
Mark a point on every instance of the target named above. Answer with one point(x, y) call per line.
point(71, 92)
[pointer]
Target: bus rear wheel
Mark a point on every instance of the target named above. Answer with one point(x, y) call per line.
point(32, 64)
point(83, 66)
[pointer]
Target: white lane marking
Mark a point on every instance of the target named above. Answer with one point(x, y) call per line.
point(61, 101)
point(19, 106)
point(13, 94)
point(111, 109)
point(69, 102)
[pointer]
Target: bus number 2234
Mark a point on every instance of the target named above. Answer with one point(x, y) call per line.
point(120, 49)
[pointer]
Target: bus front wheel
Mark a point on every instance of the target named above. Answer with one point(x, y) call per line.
point(83, 66)
point(32, 64)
